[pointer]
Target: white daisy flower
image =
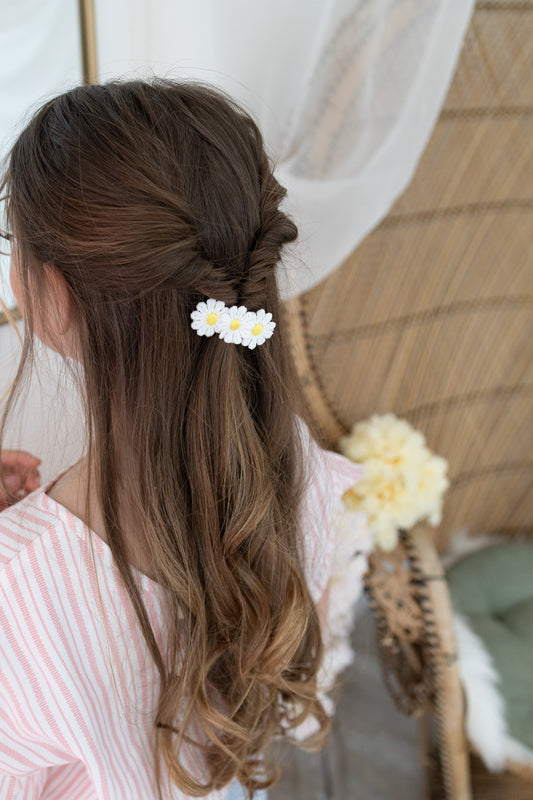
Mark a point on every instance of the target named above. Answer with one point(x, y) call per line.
point(236, 323)
point(207, 317)
point(262, 329)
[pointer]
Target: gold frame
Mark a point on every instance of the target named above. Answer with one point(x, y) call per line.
point(88, 41)
point(89, 71)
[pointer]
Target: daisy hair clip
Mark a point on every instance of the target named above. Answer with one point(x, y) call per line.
point(235, 324)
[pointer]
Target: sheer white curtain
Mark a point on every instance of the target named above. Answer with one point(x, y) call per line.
point(40, 55)
point(346, 93)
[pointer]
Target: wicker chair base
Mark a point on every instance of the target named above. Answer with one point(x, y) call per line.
point(485, 785)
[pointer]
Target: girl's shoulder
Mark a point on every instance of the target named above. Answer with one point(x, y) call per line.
point(25, 523)
point(329, 474)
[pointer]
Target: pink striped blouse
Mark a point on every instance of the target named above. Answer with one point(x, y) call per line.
point(77, 686)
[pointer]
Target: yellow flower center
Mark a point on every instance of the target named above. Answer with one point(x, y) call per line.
point(211, 318)
point(234, 324)
point(393, 461)
point(257, 329)
point(388, 493)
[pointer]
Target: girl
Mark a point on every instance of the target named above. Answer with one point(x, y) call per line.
point(164, 596)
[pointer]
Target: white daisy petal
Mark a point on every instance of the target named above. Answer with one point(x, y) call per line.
point(262, 329)
point(236, 323)
point(207, 317)
point(263, 316)
point(215, 306)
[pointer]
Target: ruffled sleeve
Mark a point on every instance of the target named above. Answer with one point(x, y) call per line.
point(336, 543)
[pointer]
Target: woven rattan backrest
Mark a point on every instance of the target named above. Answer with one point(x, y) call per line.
point(432, 316)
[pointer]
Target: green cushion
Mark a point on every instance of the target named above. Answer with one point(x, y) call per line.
point(493, 578)
point(493, 589)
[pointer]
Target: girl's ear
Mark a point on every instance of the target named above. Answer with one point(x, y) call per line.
point(58, 305)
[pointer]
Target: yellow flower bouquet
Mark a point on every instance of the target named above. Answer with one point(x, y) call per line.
point(404, 482)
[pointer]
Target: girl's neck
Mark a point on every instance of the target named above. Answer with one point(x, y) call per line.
point(70, 491)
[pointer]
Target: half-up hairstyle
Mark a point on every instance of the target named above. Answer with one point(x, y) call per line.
point(148, 197)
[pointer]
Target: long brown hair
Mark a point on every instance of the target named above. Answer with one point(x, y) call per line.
point(147, 197)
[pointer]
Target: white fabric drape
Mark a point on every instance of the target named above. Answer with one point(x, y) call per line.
point(346, 93)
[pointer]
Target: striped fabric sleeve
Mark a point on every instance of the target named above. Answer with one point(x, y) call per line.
point(25, 747)
point(330, 475)
point(28, 788)
point(336, 544)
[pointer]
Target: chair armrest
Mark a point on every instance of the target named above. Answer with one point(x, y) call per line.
point(392, 594)
point(409, 597)
point(439, 635)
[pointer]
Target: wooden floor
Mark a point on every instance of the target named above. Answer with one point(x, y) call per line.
point(373, 751)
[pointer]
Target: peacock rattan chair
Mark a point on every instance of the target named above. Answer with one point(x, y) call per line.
point(430, 318)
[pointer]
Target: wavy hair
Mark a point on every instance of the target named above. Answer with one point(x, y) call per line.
point(147, 197)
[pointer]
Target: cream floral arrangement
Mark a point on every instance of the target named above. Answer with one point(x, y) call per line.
point(404, 482)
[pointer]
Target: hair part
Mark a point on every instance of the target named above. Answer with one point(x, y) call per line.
point(148, 196)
